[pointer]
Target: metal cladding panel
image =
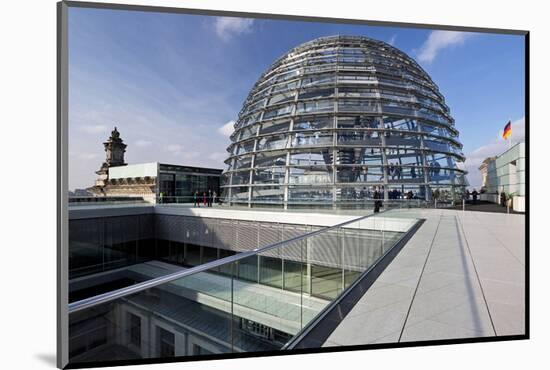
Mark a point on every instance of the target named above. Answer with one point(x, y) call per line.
point(291, 231)
point(325, 249)
point(247, 236)
point(225, 236)
point(161, 227)
point(354, 254)
point(166, 230)
point(146, 226)
point(209, 232)
point(192, 230)
point(361, 248)
point(270, 233)
point(297, 250)
point(348, 248)
point(176, 229)
point(274, 253)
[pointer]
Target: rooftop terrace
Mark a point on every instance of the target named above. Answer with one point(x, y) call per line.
point(436, 274)
point(461, 275)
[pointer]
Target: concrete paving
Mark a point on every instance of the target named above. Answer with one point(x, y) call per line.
point(462, 275)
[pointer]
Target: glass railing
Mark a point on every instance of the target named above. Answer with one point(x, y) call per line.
point(363, 204)
point(253, 301)
point(77, 201)
point(200, 201)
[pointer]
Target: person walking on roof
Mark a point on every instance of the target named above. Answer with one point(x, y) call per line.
point(377, 201)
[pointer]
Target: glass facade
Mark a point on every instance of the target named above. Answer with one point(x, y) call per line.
point(178, 183)
point(507, 172)
point(252, 302)
point(337, 117)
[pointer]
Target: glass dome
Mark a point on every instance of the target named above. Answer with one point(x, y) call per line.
point(336, 118)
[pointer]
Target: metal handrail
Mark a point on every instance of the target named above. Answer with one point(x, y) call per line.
point(123, 292)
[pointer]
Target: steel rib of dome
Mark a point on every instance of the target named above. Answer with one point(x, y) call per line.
point(336, 117)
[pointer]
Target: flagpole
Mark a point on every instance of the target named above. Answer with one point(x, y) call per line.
point(511, 132)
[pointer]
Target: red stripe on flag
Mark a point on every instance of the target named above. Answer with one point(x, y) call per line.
point(507, 130)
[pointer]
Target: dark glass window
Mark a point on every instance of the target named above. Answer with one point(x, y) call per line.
point(193, 255)
point(326, 281)
point(167, 184)
point(198, 350)
point(163, 249)
point(248, 268)
point(135, 330)
point(166, 343)
point(209, 254)
point(295, 276)
point(271, 271)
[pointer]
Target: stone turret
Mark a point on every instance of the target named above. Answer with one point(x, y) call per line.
point(114, 156)
point(108, 184)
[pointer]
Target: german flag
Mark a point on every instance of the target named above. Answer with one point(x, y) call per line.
point(507, 130)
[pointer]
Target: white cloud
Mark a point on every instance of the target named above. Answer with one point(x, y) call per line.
point(93, 129)
point(227, 27)
point(84, 156)
point(180, 115)
point(191, 155)
point(438, 40)
point(174, 149)
point(495, 147)
point(392, 40)
point(217, 156)
point(142, 143)
point(227, 129)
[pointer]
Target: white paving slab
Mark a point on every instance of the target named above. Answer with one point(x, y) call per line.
point(461, 275)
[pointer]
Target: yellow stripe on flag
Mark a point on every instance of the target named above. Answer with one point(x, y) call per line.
point(507, 131)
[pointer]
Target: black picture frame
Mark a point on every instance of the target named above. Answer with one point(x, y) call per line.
point(62, 182)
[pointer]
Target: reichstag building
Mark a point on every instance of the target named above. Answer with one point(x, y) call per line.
point(337, 119)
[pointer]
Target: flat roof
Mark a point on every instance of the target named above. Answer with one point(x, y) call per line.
point(134, 170)
point(151, 169)
point(461, 275)
point(182, 168)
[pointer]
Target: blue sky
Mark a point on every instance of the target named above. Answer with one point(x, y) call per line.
point(172, 82)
